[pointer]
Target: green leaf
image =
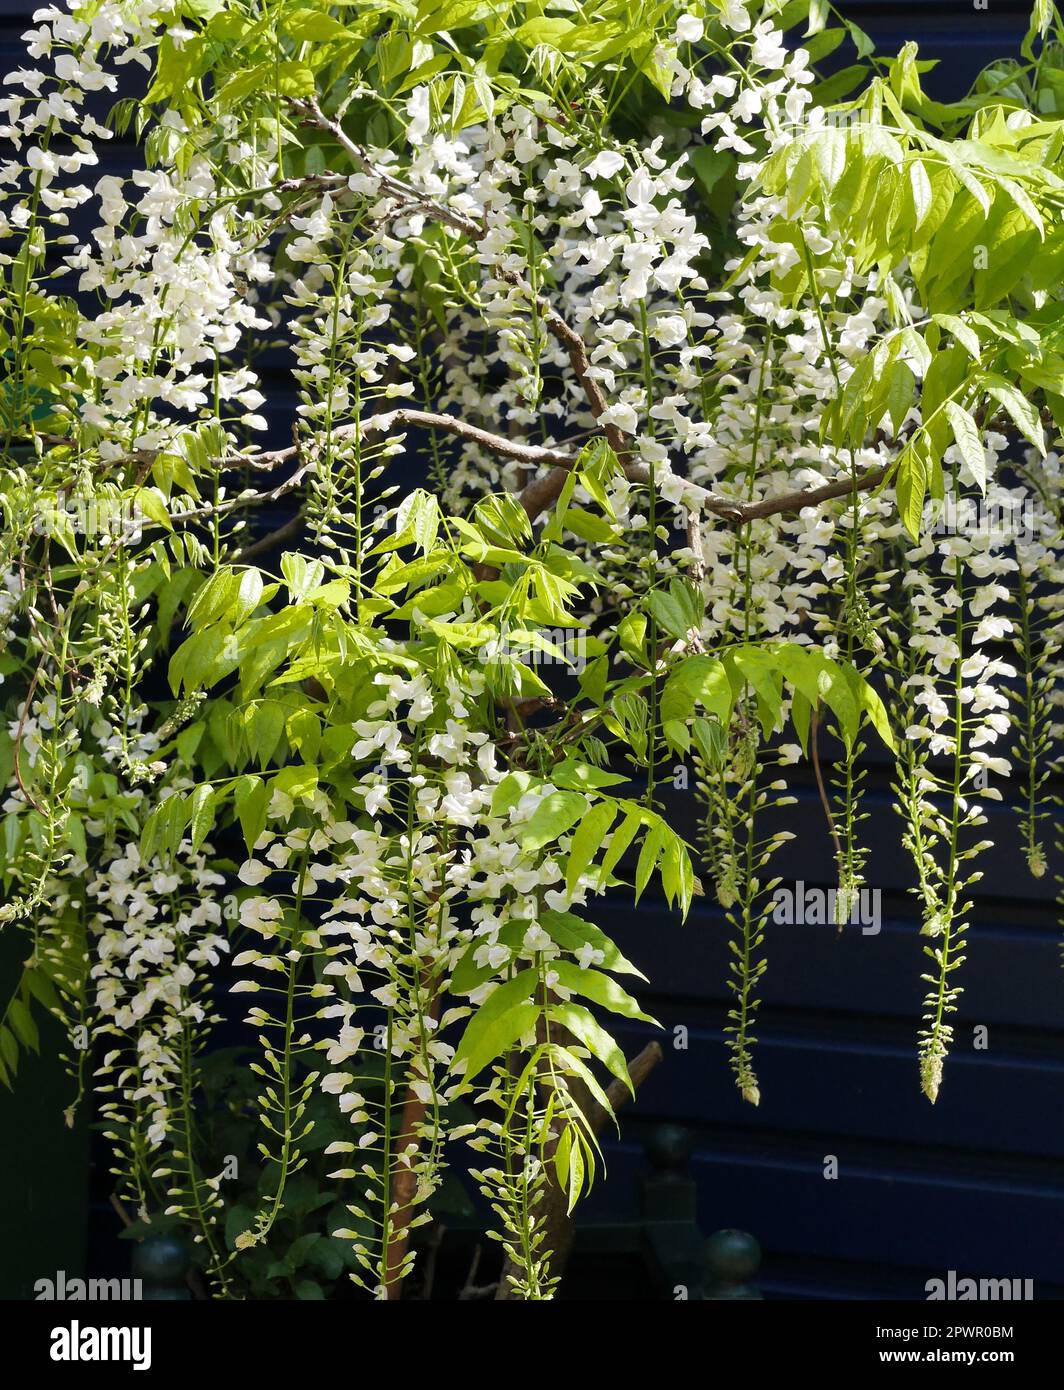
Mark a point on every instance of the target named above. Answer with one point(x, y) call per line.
point(621, 839)
point(327, 1256)
point(201, 816)
point(1022, 200)
point(299, 782)
point(759, 667)
point(394, 51)
point(966, 433)
point(9, 1050)
point(1041, 19)
point(599, 988)
point(697, 680)
point(250, 798)
point(824, 43)
point(498, 1023)
point(22, 1022)
point(300, 1248)
point(801, 668)
point(678, 609)
point(839, 85)
point(829, 155)
point(554, 815)
point(562, 1156)
point(631, 634)
point(588, 526)
point(303, 731)
point(964, 334)
point(544, 30)
point(419, 516)
point(313, 26)
point(910, 486)
point(152, 503)
point(255, 78)
point(594, 1037)
point(294, 79)
point(301, 574)
point(188, 740)
point(653, 844)
point(1023, 414)
point(677, 875)
point(920, 192)
point(264, 729)
point(917, 348)
point(433, 17)
point(173, 818)
point(42, 989)
point(864, 45)
point(873, 706)
point(900, 390)
point(709, 166)
point(576, 775)
point(213, 599)
point(248, 595)
point(837, 693)
point(587, 841)
point(509, 792)
point(572, 932)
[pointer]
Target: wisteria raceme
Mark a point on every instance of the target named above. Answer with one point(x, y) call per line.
point(155, 936)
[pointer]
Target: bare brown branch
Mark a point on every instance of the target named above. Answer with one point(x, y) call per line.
point(697, 498)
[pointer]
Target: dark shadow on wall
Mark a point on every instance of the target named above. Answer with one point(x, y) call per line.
point(44, 1166)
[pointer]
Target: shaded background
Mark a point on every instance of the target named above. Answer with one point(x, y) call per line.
point(974, 1183)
